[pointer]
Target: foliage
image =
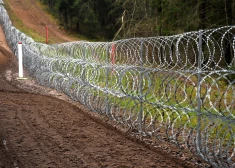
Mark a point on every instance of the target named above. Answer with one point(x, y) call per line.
point(95, 19)
point(167, 17)
point(115, 19)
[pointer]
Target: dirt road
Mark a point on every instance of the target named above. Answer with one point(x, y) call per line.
point(34, 18)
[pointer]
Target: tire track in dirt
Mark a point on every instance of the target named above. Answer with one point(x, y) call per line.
point(53, 136)
point(43, 136)
point(73, 147)
point(43, 140)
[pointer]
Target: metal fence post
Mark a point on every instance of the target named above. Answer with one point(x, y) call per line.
point(83, 67)
point(141, 89)
point(107, 82)
point(46, 34)
point(198, 138)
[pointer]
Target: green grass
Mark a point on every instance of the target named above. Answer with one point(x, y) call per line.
point(158, 109)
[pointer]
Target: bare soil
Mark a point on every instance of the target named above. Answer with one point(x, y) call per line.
point(40, 127)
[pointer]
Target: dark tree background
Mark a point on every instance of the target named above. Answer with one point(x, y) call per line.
point(116, 19)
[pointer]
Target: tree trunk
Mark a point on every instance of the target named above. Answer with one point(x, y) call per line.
point(66, 18)
point(78, 27)
point(202, 4)
point(228, 11)
point(229, 21)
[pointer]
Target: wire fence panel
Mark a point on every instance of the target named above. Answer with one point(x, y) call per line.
point(179, 88)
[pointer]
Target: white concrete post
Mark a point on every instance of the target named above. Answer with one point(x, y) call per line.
point(20, 59)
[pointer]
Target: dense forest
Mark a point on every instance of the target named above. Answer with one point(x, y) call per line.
point(116, 19)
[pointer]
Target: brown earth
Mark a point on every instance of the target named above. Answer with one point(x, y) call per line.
point(40, 127)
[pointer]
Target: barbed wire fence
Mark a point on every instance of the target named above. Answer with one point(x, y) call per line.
point(179, 88)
